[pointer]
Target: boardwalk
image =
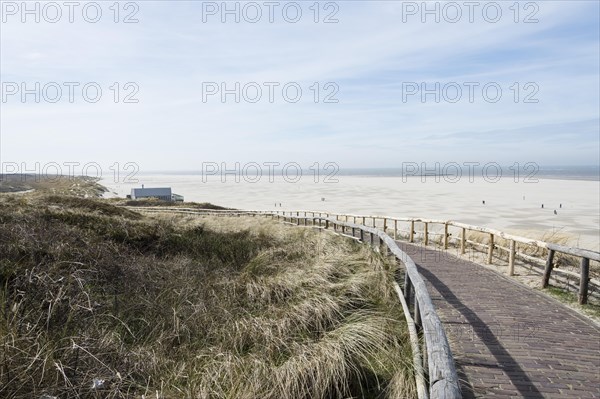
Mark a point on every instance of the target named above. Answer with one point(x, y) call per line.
point(509, 341)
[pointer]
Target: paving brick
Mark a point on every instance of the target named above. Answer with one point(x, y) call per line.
point(512, 342)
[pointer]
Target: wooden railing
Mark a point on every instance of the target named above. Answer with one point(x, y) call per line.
point(391, 223)
point(441, 376)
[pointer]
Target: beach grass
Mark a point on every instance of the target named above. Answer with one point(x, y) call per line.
point(97, 301)
point(80, 186)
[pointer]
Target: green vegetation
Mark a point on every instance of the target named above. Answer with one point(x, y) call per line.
point(569, 298)
point(97, 301)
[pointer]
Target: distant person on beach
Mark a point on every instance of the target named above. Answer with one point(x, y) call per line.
point(556, 213)
point(560, 206)
point(483, 202)
point(542, 206)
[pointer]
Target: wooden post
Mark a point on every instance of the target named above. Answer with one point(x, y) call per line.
point(511, 258)
point(548, 268)
point(426, 234)
point(463, 241)
point(445, 235)
point(363, 221)
point(395, 229)
point(326, 224)
point(346, 218)
point(407, 288)
point(374, 223)
point(417, 316)
point(490, 250)
point(354, 219)
point(362, 235)
point(412, 231)
point(584, 281)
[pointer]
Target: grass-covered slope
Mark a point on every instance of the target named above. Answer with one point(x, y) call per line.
point(99, 302)
point(156, 202)
point(81, 186)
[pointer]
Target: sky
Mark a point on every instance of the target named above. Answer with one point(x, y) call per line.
point(394, 85)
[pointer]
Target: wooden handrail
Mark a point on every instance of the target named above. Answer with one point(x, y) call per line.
point(422, 391)
point(513, 239)
point(579, 252)
point(585, 254)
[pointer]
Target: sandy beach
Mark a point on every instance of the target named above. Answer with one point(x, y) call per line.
point(509, 206)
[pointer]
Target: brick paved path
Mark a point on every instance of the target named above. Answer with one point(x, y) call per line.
point(509, 341)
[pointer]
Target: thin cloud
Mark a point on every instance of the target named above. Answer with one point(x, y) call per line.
point(369, 54)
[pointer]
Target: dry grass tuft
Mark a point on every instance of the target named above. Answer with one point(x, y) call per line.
point(100, 302)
